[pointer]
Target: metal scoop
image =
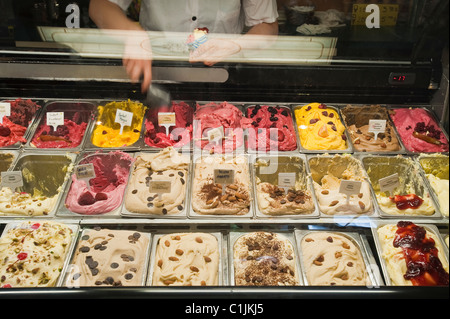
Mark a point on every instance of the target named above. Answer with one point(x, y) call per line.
point(157, 96)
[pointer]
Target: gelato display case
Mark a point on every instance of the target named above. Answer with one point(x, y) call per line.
point(310, 164)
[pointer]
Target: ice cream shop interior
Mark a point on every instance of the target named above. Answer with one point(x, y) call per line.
point(273, 148)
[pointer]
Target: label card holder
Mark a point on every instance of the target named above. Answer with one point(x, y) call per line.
point(224, 177)
point(167, 119)
point(389, 183)
point(216, 134)
point(5, 110)
point(377, 127)
point(85, 172)
point(124, 118)
point(13, 179)
point(349, 188)
point(55, 119)
point(160, 187)
point(286, 181)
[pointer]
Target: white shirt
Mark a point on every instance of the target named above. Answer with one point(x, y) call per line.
point(219, 16)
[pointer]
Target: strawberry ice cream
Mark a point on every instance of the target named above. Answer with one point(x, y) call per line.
point(69, 135)
point(14, 127)
point(106, 190)
point(272, 128)
point(213, 116)
point(179, 135)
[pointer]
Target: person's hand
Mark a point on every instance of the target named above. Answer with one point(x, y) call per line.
point(137, 59)
point(214, 51)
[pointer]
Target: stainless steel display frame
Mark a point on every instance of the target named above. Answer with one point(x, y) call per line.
point(207, 223)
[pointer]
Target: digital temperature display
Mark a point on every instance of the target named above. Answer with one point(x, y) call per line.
point(402, 78)
point(399, 78)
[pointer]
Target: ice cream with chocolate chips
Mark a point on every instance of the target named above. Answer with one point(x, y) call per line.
point(264, 259)
point(332, 259)
point(357, 119)
point(208, 197)
point(33, 254)
point(187, 259)
point(275, 200)
point(167, 165)
point(106, 257)
point(328, 173)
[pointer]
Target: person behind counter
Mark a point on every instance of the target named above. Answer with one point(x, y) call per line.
point(225, 17)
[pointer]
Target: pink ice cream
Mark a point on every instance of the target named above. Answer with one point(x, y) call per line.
point(272, 128)
point(419, 131)
point(106, 189)
point(211, 116)
point(179, 135)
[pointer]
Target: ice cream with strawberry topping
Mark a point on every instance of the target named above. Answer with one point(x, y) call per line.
point(409, 196)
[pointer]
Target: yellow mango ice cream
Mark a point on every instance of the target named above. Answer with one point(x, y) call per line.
point(107, 132)
point(320, 128)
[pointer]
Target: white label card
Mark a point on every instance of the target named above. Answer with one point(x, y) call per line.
point(224, 176)
point(55, 118)
point(376, 127)
point(286, 180)
point(12, 179)
point(389, 183)
point(167, 119)
point(216, 134)
point(160, 187)
point(85, 171)
point(5, 110)
point(124, 118)
point(350, 187)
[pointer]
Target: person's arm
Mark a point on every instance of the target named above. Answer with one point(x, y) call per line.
point(108, 15)
point(268, 31)
point(216, 50)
